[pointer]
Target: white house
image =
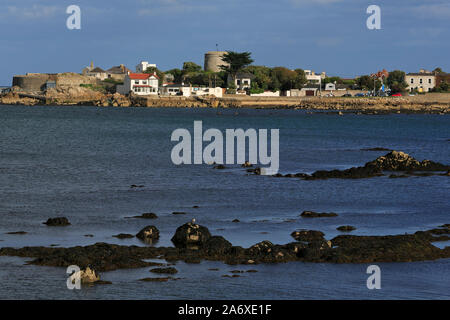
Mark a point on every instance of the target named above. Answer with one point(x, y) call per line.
point(139, 83)
point(242, 81)
point(188, 91)
point(143, 65)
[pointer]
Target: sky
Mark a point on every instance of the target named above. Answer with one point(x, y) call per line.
point(320, 35)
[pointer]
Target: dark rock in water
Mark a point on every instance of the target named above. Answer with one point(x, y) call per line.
point(312, 214)
point(217, 245)
point(256, 171)
point(148, 233)
point(251, 271)
point(195, 207)
point(155, 279)
point(57, 222)
point(169, 270)
point(308, 235)
point(89, 235)
point(178, 212)
point(219, 167)
point(237, 271)
point(137, 186)
point(17, 232)
point(236, 220)
point(246, 164)
point(191, 235)
point(123, 236)
point(148, 215)
point(393, 176)
point(392, 161)
point(376, 149)
point(316, 251)
point(346, 228)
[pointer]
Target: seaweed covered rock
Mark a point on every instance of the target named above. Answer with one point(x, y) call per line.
point(308, 235)
point(217, 245)
point(148, 234)
point(191, 235)
point(400, 161)
point(147, 215)
point(57, 222)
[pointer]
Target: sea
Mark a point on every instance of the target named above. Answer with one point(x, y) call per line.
point(80, 163)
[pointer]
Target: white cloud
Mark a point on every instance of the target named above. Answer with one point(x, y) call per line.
point(32, 12)
point(435, 11)
point(157, 7)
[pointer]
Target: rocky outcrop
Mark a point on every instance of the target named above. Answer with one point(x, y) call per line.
point(168, 270)
point(148, 215)
point(123, 236)
point(85, 276)
point(191, 235)
point(57, 222)
point(392, 161)
point(148, 234)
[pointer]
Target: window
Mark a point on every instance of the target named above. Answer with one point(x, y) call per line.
point(144, 82)
point(136, 81)
point(412, 80)
point(429, 81)
point(421, 81)
point(245, 81)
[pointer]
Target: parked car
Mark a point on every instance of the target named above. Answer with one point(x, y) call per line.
point(347, 95)
point(360, 94)
point(396, 95)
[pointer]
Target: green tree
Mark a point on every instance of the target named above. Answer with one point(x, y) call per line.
point(189, 67)
point(438, 71)
point(396, 81)
point(300, 80)
point(364, 82)
point(262, 78)
point(177, 75)
point(158, 72)
point(283, 78)
point(236, 62)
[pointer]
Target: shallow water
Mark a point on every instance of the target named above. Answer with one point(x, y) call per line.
point(79, 162)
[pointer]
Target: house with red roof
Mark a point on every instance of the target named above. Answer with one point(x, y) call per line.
point(140, 84)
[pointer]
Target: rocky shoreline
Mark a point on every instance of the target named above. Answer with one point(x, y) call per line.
point(82, 96)
point(194, 243)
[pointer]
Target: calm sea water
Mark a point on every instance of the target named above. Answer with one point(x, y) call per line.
point(79, 162)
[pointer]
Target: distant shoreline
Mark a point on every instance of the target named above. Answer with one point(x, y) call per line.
point(436, 103)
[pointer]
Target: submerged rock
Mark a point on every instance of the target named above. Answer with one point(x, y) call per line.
point(168, 270)
point(346, 228)
point(312, 214)
point(148, 234)
point(191, 235)
point(148, 215)
point(123, 236)
point(57, 222)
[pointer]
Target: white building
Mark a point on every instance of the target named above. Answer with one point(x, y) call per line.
point(143, 65)
point(139, 83)
point(314, 78)
point(188, 91)
point(242, 81)
point(423, 81)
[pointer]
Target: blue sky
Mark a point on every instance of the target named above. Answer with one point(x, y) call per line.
point(322, 35)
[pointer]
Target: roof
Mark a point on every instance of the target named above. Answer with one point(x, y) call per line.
point(118, 70)
point(139, 76)
point(97, 70)
point(242, 75)
point(421, 74)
